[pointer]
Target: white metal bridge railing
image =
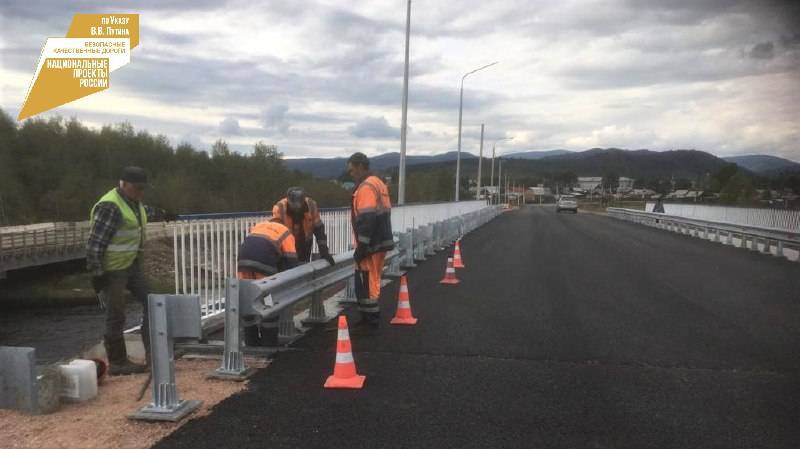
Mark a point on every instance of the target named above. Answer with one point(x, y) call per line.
point(206, 249)
point(769, 218)
point(767, 240)
point(45, 243)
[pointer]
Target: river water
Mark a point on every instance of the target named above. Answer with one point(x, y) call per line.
point(59, 333)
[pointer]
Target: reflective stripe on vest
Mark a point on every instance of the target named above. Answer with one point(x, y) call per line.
point(277, 243)
point(309, 222)
point(127, 241)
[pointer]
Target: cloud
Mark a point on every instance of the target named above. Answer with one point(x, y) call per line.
point(764, 50)
point(273, 118)
point(230, 127)
point(720, 75)
point(375, 127)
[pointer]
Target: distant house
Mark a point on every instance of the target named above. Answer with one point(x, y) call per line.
point(539, 194)
point(589, 183)
point(625, 184)
point(539, 190)
point(690, 196)
point(677, 195)
point(641, 193)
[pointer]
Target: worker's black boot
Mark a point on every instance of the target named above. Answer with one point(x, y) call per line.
point(269, 336)
point(125, 368)
point(373, 319)
point(369, 324)
point(251, 336)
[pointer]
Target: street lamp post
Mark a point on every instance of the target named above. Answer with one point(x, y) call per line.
point(480, 167)
point(401, 178)
point(493, 148)
point(460, 110)
point(499, 179)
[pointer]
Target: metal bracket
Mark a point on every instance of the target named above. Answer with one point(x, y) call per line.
point(171, 316)
point(18, 379)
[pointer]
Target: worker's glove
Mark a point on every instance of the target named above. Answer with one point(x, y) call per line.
point(360, 253)
point(326, 254)
point(99, 283)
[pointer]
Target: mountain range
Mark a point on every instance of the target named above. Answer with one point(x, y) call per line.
point(333, 167)
point(593, 162)
point(765, 165)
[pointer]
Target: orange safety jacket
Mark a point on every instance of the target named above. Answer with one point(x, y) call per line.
point(304, 232)
point(371, 215)
point(268, 249)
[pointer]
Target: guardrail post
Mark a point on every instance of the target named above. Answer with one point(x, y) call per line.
point(705, 233)
point(419, 245)
point(394, 271)
point(716, 235)
point(754, 243)
point(452, 233)
point(767, 247)
point(349, 294)
point(779, 249)
point(233, 366)
point(407, 250)
point(429, 241)
point(316, 314)
point(439, 226)
point(171, 316)
point(287, 332)
point(729, 239)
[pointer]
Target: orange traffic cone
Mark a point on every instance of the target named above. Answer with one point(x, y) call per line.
point(450, 274)
point(457, 262)
point(344, 372)
point(403, 314)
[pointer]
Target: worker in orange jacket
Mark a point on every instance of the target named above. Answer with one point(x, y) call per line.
point(372, 231)
point(300, 214)
point(268, 249)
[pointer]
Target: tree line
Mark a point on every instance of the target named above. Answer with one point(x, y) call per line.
point(55, 170)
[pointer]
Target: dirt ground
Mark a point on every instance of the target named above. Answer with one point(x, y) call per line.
point(102, 422)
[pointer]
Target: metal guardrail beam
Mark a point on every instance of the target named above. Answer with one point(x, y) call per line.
point(780, 238)
point(255, 300)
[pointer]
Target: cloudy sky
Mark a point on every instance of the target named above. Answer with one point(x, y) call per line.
point(324, 78)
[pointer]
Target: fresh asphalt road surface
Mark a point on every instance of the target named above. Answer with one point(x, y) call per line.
point(567, 331)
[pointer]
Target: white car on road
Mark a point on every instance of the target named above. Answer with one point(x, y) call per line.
point(566, 202)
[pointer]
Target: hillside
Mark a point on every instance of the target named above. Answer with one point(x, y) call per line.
point(598, 162)
point(765, 165)
point(333, 167)
point(595, 162)
point(536, 154)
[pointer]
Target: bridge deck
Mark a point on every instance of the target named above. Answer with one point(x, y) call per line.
point(566, 331)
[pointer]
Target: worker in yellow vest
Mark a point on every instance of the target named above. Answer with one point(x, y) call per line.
point(114, 256)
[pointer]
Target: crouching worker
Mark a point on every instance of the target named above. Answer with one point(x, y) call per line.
point(300, 214)
point(268, 249)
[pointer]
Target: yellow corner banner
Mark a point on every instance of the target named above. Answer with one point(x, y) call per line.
point(79, 64)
